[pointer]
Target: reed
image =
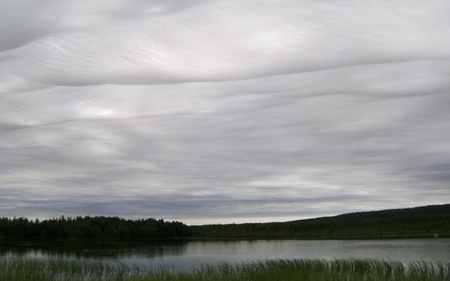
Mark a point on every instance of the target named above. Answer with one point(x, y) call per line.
point(18, 269)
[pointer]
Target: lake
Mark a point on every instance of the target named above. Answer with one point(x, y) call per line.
point(188, 254)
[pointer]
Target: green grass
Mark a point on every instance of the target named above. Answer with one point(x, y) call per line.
point(17, 269)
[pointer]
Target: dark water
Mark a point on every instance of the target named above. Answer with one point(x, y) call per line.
point(186, 254)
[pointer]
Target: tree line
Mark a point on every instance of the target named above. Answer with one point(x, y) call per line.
point(91, 228)
point(412, 222)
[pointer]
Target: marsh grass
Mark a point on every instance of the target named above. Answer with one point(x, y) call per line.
point(17, 269)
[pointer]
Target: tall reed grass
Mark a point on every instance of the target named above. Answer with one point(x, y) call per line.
point(17, 269)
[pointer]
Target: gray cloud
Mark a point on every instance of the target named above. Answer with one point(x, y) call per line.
point(222, 110)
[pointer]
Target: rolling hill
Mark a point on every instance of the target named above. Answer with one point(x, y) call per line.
point(416, 222)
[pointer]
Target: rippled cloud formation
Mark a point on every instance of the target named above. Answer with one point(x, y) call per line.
point(211, 111)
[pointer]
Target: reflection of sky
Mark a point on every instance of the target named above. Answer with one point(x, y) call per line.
point(193, 253)
point(223, 111)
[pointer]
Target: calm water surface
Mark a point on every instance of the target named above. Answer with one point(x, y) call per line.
point(187, 254)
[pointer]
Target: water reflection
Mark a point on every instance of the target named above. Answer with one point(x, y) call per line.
point(187, 254)
point(93, 250)
point(402, 250)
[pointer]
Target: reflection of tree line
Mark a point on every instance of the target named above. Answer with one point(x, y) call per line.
point(91, 228)
point(414, 222)
point(81, 249)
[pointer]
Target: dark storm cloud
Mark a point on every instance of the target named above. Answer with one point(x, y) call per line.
point(222, 110)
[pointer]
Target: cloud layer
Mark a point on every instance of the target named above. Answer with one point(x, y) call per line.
point(223, 111)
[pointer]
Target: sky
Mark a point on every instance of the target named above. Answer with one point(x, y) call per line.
point(223, 111)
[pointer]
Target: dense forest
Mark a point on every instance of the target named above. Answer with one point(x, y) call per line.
point(413, 222)
point(91, 228)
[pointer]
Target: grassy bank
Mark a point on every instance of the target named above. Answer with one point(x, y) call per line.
point(13, 269)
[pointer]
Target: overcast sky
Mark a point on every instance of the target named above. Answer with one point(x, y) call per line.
point(220, 111)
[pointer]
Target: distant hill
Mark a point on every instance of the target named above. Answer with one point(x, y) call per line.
point(396, 223)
